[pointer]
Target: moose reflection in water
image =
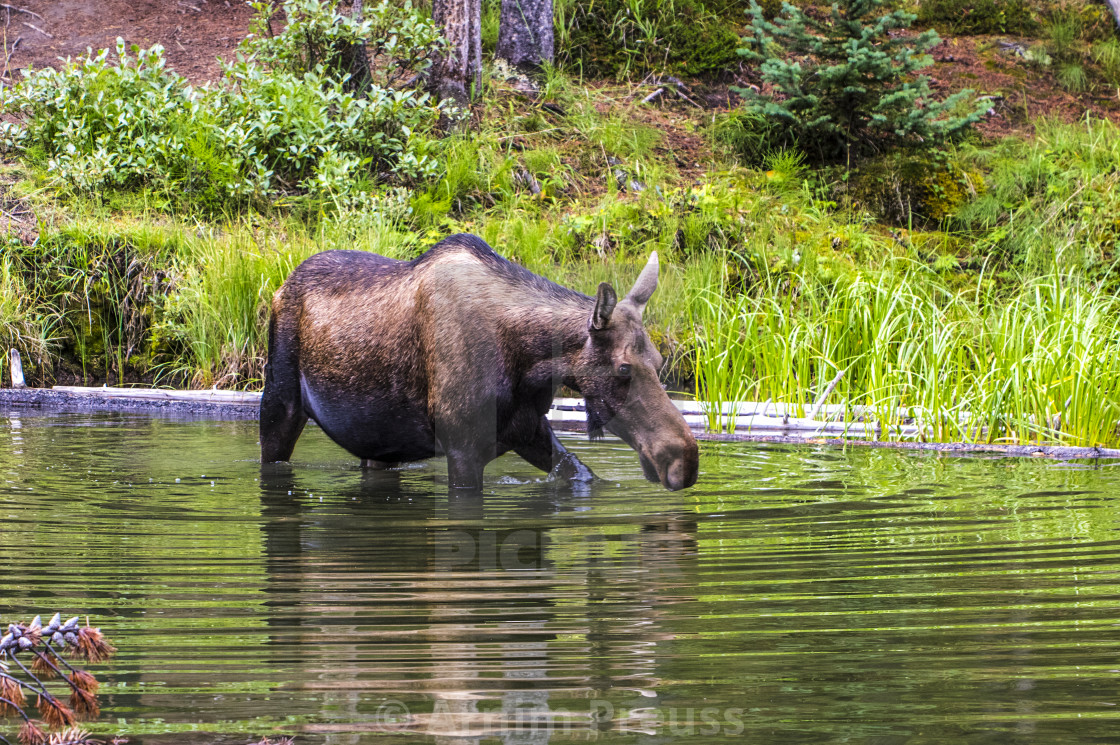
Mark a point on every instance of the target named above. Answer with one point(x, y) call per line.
point(464, 632)
point(460, 353)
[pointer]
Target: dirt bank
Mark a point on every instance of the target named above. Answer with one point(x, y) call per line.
point(195, 33)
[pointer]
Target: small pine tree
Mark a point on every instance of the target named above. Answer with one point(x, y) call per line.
point(847, 84)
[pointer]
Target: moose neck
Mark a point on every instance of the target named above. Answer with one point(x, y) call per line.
point(557, 336)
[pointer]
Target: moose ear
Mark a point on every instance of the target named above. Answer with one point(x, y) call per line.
point(605, 300)
point(646, 283)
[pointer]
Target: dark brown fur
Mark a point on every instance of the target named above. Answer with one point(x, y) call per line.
point(459, 352)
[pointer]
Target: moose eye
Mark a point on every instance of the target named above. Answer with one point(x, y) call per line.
point(624, 370)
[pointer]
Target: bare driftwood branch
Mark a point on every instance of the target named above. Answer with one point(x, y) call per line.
point(36, 28)
point(16, 9)
point(824, 395)
point(676, 85)
point(689, 100)
point(8, 58)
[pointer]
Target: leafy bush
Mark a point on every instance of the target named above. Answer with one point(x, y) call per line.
point(401, 42)
point(847, 85)
point(271, 129)
point(622, 37)
point(99, 124)
point(978, 16)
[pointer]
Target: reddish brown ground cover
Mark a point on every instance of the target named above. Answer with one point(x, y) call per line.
point(990, 65)
point(194, 32)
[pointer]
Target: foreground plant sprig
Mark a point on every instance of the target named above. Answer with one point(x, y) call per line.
point(44, 647)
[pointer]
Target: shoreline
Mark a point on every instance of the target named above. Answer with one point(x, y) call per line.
point(239, 406)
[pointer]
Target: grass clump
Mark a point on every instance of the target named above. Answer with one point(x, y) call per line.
point(1050, 203)
point(1079, 45)
point(105, 288)
point(978, 16)
point(25, 323)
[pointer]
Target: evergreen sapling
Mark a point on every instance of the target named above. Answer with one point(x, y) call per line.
point(846, 85)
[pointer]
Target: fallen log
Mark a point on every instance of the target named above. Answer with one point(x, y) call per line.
point(764, 422)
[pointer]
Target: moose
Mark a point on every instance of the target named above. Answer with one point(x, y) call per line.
point(460, 352)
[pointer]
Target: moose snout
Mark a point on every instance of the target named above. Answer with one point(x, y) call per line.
point(681, 474)
point(683, 468)
point(675, 466)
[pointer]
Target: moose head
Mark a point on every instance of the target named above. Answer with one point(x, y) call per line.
point(617, 374)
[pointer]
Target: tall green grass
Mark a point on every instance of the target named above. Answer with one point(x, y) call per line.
point(1040, 366)
point(24, 323)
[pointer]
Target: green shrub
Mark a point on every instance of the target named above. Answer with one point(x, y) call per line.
point(847, 85)
point(978, 16)
point(913, 188)
point(400, 41)
point(270, 129)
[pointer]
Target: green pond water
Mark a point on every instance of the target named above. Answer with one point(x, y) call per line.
point(796, 594)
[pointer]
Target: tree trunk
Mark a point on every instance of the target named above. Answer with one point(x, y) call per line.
point(354, 59)
point(457, 72)
point(525, 36)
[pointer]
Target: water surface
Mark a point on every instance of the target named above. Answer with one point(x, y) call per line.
point(796, 594)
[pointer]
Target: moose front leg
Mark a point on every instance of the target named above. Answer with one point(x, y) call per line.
point(546, 452)
point(464, 469)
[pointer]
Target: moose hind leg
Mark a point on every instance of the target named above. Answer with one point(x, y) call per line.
point(282, 421)
point(282, 416)
point(546, 452)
